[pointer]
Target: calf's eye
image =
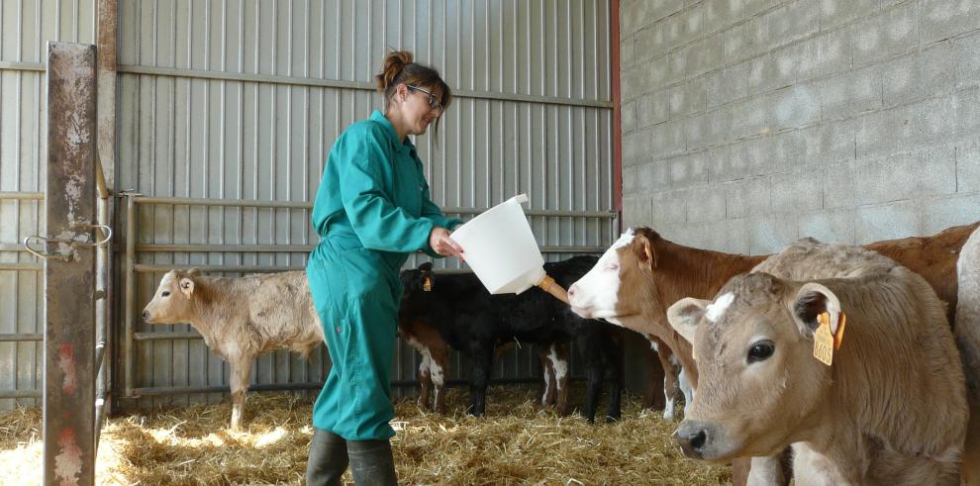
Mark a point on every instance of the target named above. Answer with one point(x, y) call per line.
point(166, 293)
point(761, 351)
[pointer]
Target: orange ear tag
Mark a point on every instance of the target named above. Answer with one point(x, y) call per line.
point(839, 335)
point(823, 340)
point(427, 285)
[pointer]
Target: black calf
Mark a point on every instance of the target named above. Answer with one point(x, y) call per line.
point(474, 322)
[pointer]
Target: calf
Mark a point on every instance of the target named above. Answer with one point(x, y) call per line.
point(642, 274)
point(967, 331)
point(434, 367)
point(889, 409)
point(240, 318)
point(435, 361)
point(471, 320)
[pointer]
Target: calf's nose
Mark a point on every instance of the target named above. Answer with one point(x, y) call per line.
point(146, 315)
point(692, 437)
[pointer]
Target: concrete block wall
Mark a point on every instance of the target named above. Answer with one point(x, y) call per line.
point(750, 123)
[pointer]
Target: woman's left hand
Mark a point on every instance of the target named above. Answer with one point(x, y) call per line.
point(441, 243)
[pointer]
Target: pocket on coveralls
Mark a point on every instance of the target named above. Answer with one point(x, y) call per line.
point(332, 301)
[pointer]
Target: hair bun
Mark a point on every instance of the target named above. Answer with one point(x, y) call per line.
point(394, 64)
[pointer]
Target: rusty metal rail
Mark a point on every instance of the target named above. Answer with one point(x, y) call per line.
point(182, 390)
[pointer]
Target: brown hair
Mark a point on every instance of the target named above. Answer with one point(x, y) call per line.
point(398, 68)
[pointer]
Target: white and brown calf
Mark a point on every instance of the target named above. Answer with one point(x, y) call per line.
point(240, 318)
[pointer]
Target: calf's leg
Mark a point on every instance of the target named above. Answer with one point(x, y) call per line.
point(594, 371)
point(548, 372)
point(482, 362)
point(425, 382)
point(560, 355)
point(614, 376)
point(671, 386)
point(241, 370)
point(438, 370)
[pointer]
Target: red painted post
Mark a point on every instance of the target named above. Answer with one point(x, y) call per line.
point(617, 128)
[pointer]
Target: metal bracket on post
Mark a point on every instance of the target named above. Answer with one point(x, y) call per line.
point(66, 246)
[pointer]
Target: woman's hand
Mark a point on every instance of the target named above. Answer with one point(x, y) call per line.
point(442, 244)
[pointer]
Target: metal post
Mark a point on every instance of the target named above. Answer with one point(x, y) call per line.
point(69, 278)
point(130, 292)
point(108, 11)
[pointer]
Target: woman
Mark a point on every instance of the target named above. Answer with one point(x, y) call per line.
point(371, 211)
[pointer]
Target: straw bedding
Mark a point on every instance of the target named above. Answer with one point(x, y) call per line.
point(514, 444)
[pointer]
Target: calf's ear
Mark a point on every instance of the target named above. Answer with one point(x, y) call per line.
point(645, 252)
point(684, 316)
point(187, 287)
point(426, 278)
point(812, 300)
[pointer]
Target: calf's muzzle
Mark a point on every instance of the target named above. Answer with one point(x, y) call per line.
point(694, 438)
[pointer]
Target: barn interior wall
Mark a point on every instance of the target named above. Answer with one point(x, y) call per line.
point(748, 124)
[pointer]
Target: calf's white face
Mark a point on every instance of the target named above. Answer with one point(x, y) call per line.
point(759, 382)
point(596, 294)
point(171, 302)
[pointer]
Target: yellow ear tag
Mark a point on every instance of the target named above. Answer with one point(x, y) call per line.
point(823, 340)
point(427, 285)
point(839, 335)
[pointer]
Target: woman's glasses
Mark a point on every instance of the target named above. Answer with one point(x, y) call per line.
point(433, 101)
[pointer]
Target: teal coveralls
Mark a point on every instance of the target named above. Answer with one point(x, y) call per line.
point(372, 209)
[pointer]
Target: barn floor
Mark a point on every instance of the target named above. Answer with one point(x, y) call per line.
point(514, 444)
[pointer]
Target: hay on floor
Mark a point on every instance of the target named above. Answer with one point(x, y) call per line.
point(514, 444)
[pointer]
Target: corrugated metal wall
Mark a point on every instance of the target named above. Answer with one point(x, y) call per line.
point(240, 99)
point(26, 26)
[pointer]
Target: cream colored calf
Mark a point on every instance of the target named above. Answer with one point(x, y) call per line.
point(889, 409)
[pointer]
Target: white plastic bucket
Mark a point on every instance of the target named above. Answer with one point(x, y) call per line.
point(500, 248)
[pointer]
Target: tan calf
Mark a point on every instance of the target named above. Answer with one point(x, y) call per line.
point(890, 409)
point(642, 274)
point(240, 318)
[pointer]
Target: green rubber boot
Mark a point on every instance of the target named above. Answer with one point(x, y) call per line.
point(372, 462)
point(328, 459)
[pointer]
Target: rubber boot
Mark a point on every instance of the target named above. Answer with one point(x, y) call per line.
point(328, 459)
point(372, 462)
